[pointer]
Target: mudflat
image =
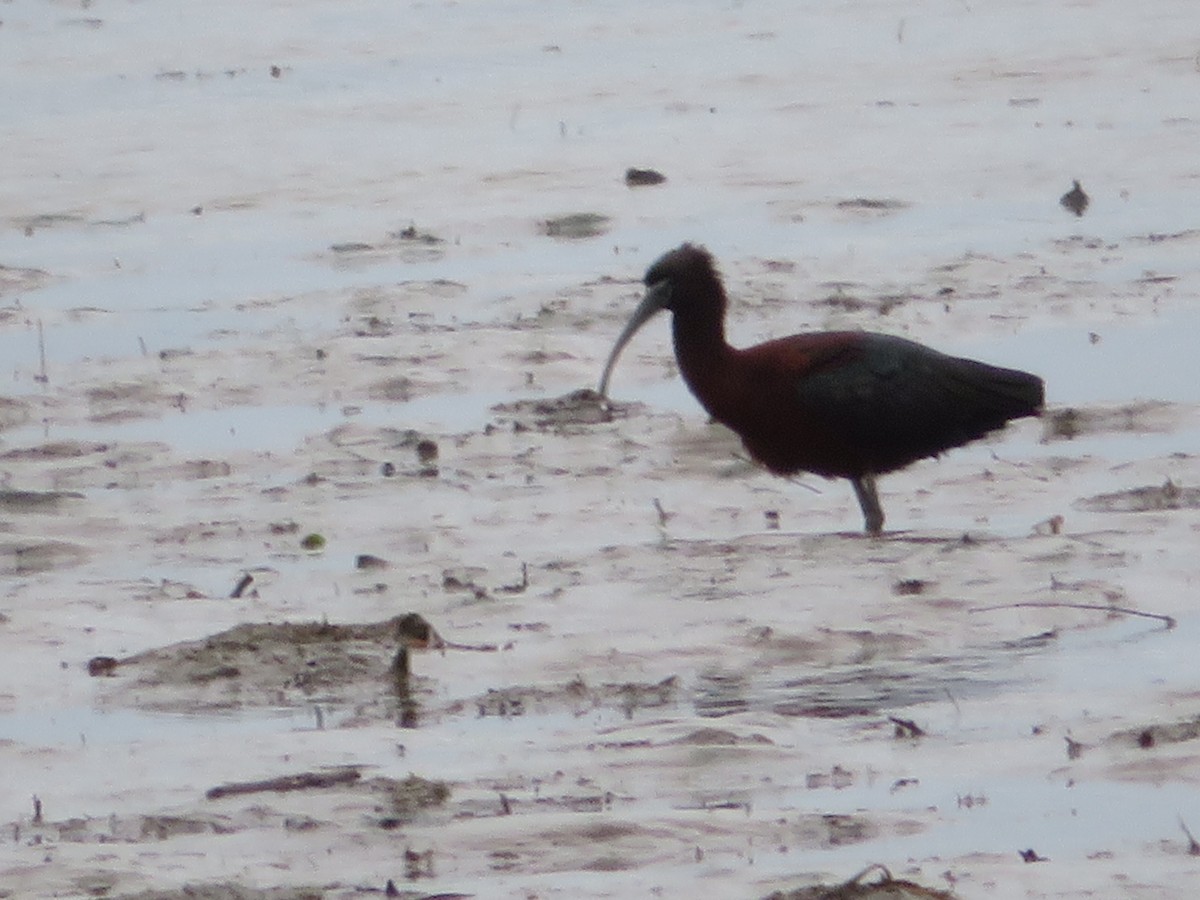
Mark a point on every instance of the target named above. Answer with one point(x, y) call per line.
point(326, 573)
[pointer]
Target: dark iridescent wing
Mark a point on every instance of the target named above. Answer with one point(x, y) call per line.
point(897, 401)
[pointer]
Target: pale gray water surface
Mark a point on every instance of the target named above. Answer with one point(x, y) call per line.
point(225, 373)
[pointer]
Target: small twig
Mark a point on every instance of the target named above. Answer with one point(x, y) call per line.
point(42, 376)
point(521, 586)
point(791, 479)
point(401, 669)
point(1193, 844)
point(796, 480)
point(1168, 621)
point(300, 782)
point(953, 701)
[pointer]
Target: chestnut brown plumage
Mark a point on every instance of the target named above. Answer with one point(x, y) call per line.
point(842, 404)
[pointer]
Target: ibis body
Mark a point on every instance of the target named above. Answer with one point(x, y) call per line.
point(842, 404)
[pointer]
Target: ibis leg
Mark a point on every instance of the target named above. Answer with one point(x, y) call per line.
point(868, 499)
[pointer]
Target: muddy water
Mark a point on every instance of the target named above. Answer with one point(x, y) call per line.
point(233, 315)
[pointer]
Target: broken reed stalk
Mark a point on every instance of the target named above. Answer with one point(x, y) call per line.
point(1168, 621)
point(1193, 844)
point(300, 782)
point(42, 377)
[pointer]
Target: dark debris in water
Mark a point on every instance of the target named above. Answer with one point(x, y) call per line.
point(1075, 200)
point(909, 587)
point(105, 666)
point(424, 449)
point(643, 177)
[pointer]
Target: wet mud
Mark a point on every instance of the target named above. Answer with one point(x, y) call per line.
point(258, 664)
point(260, 410)
point(1148, 498)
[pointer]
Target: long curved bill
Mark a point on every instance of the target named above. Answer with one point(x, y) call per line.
point(656, 299)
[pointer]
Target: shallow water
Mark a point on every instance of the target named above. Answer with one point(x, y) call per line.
point(198, 220)
point(1058, 813)
point(99, 727)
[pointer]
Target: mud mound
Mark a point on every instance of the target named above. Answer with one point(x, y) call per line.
point(270, 664)
point(886, 888)
point(1150, 498)
point(570, 412)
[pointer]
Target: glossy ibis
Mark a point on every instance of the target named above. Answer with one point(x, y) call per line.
point(842, 404)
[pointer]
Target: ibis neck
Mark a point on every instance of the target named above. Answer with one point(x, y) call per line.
point(702, 352)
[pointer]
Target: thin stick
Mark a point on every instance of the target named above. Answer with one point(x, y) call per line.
point(1193, 845)
point(303, 781)
point(954, 703)
point(479, 648)
point(1169, 621)
point(43, 377)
